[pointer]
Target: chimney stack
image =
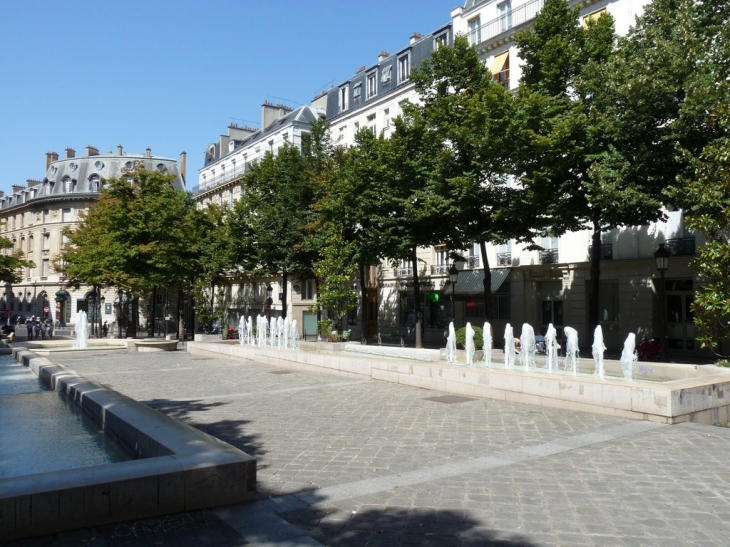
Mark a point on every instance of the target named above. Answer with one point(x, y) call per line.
point(50, 158)
point(383, 56)
point(120, 150)
point(70, 153)
point(183, 164)
point(148, 152)
point(92, 150)
point(415, 37)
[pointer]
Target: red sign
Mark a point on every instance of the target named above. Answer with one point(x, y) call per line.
point(46, 309)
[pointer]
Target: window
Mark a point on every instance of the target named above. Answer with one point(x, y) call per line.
point(372, 85)
point(230, 197)
point(308, 289)
point(343, 98)
point(46, 241)
point(68, 185)
point(67, 215)
point(551, 294)
point(500, 68)
point(501, 303)
point(505, 15)
point(385, 74)
point(357, 91)
point(608, 301)
point(549, 254)
point(404, 68)
point(94, 183)
point(30, 244)
point(45, 267)
point(474, 25)
point(441, 40)
point(386, 118)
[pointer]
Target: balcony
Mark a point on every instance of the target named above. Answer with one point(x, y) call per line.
point(606, 251)
point(440, 269)
point(404, 271)
point(504, 259)
point(472, 261)
point(222, 178)
point(549, 256)
point(507, 21)
point(681, 246)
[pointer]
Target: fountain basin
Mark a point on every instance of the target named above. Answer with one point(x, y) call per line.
point(665, 393)
point(176, 467)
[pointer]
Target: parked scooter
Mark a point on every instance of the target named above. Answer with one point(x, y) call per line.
point(649, 349)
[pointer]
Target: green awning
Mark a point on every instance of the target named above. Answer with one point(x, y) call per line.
point(471, 282)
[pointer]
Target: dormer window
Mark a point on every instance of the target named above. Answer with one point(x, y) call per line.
point(372, 85)
point(343, 98)
point(68, 185)
point(94, 183)
point(404, 68)
point(385, 75)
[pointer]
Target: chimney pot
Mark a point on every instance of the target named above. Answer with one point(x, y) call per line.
point(70, 153)
point(148, 152)
point(92, 150)
point(383, 55)
point(120, 150)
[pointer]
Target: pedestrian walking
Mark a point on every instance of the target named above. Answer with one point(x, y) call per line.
point(29, 326)
point(50, 329)
point(36, 330)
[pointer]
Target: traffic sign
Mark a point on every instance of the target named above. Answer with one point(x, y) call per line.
point(46, 309)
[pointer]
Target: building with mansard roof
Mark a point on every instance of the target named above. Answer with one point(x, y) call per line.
point(34, 216)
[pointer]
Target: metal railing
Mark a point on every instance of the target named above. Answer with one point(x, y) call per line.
point(440, 269)
point(606, 251)
point(472, 261)
point(504, 259)
point(506, 21)
point(404, 272)
point(222, 178)
point(549, 256)
point(681, 246)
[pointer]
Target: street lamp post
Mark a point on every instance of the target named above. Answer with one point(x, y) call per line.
point(661, 255)
point(269, 300)
point(453, 278)
point(101, 307)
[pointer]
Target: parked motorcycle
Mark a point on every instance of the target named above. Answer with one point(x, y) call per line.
point(649, 349)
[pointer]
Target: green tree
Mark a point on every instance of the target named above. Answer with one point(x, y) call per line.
point(133, 238)
point(11, 262)
point(462, 103)
point(268, 223)
point(414, 199)
point(578, 151)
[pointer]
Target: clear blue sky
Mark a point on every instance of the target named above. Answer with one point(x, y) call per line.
point(172, 74)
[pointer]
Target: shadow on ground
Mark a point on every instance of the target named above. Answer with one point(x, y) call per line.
point(229, 431)
point(390, 526)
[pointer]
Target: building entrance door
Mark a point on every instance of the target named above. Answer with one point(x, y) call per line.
point(680, 320)
point(372, 326)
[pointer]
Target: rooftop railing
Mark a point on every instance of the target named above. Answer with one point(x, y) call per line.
point(506, 21)
point(221, 178)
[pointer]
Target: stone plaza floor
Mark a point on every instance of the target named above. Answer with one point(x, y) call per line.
point(351, 462)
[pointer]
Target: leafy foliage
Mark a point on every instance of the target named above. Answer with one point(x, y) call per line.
point(11, 263)
point(478, 338)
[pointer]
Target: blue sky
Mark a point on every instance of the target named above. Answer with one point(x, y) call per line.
point(172, 74)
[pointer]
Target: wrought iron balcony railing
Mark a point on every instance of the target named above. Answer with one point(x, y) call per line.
point(504, 259)
point(606, 251)
point(213, 182)
point(549, 256)
point(440, 269)
point(404, 272)
point(506, 21)
point(681, 246)
point(472, 261)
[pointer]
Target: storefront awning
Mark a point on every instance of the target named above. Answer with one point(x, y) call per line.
point(471, 282)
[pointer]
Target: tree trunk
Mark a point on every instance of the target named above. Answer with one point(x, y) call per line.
point(488, 311)
point(417, 296)
point(365, 305)
point(593, 311)
point(120, 313)
point(153, 313)
point(181, 315)
point(284, 281)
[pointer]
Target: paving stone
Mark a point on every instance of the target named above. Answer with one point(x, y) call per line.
point(406, 466)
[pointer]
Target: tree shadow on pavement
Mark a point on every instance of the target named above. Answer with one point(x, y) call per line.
point(229, 431)
point(390, 526)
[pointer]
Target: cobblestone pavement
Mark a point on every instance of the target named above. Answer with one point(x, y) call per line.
point(352, 462)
